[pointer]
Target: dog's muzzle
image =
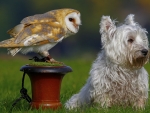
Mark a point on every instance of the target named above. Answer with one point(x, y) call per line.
point(144, 52)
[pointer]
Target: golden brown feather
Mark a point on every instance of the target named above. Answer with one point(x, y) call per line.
point(41, 32)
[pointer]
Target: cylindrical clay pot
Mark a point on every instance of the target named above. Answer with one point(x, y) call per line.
point(46, 84)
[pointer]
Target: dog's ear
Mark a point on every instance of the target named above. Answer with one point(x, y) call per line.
point(107, 29)
point(130, 20)
point(106, 24)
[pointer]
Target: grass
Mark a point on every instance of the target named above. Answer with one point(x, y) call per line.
point(10, 85)
point(45, 64)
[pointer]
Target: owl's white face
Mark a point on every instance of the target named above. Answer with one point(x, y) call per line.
point(73, 21)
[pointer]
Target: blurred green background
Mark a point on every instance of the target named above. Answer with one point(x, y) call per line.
point(78, 51)
point(87, 41)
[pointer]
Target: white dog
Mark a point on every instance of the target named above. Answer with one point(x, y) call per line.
point(117, 76)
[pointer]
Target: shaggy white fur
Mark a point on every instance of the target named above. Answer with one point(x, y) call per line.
point(117, 76)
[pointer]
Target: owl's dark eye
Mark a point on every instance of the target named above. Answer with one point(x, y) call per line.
point(71, 19)
point(130, 40)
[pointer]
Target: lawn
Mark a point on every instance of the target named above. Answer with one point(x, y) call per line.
point(10, 84)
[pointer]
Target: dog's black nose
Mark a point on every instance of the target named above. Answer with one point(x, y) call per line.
point(144, 52)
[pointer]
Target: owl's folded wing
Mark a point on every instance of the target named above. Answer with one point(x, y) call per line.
point(36, 34)
point(40, 18)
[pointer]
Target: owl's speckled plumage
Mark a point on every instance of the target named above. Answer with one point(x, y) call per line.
point(41, 32)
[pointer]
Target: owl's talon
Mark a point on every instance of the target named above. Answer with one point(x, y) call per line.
point(46, 59)
point(37, 59)
point(54, 61)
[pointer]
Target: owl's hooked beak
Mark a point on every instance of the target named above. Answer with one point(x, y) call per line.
point(76, 25)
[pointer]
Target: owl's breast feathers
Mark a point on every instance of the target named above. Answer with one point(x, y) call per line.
point(35, 30)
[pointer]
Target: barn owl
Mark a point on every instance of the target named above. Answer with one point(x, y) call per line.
point(41, 32)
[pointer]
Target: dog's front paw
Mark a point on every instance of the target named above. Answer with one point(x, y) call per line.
point(140, 104)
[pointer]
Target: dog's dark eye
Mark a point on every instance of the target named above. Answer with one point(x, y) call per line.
point(130, 40)
point(71, 19)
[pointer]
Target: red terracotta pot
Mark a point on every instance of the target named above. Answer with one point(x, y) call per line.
point(46, 84)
